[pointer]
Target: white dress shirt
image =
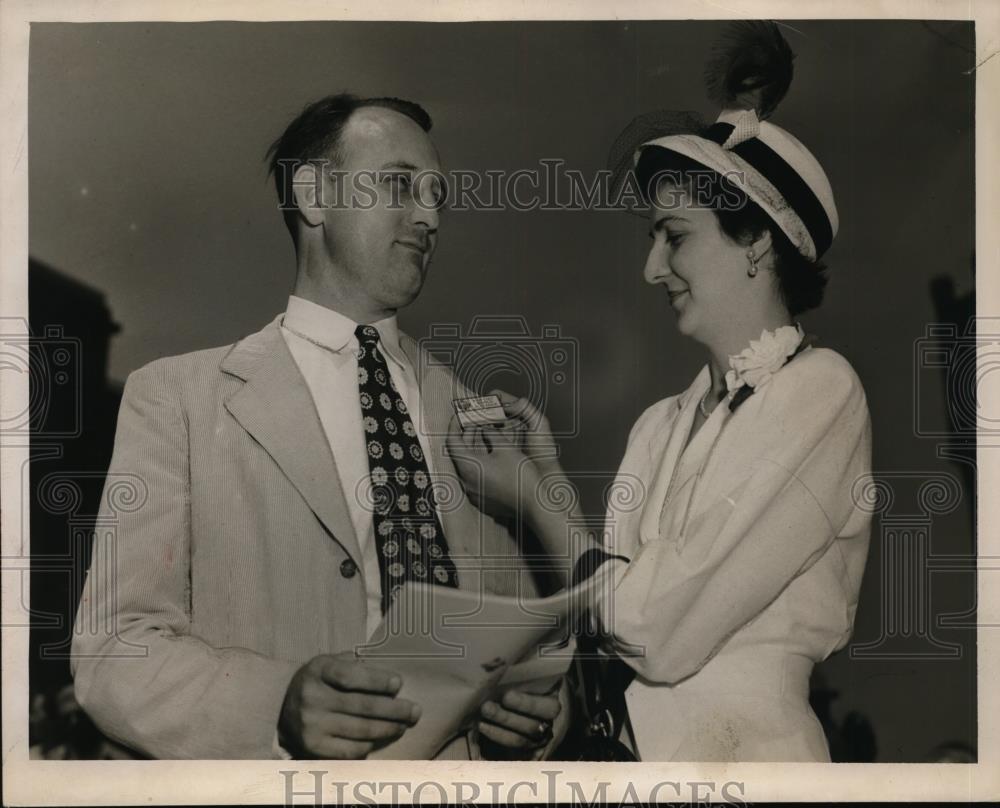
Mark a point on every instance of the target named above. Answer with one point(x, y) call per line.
point(324, 347)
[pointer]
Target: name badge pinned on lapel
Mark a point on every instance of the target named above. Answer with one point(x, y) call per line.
point(479, 411)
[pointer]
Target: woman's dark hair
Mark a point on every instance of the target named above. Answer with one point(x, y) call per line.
point(801, 282)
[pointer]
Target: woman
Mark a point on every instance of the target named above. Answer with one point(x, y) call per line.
point(740, 567)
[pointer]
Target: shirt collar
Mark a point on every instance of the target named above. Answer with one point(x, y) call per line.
point(332, 330)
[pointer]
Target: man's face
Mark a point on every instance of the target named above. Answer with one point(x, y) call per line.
point(380, 244)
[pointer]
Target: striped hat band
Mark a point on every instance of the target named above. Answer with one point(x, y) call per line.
point(785, 179)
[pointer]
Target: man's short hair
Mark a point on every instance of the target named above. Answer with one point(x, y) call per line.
point(316, 134)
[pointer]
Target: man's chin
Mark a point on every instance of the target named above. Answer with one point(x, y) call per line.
point(403, 296)
point(408, 283)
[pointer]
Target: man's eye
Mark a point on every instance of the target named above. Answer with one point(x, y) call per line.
point(675, 238)
point(401, 180)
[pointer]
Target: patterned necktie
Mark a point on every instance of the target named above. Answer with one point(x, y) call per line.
point(408, 535)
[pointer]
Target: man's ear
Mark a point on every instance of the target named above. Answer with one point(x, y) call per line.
point(307, 187)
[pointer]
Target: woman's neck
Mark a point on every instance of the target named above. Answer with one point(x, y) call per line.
point(737, 338)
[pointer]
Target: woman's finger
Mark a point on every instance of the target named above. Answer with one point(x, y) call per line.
point(528, 413)
point(505, 433)
point(458, 443)
point(513, 406)
point(480, 442)
point(505, 397)
point(472, 438)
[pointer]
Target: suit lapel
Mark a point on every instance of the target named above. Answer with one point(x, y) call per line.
point(460, 522)
point(276, 408)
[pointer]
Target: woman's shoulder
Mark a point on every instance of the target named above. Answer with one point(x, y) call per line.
point(820, 365)
point(654, 417)
point(821, 375)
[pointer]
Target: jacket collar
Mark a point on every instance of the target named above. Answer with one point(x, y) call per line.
point(276, 408)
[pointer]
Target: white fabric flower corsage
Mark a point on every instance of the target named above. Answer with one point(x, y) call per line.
point(753, 367)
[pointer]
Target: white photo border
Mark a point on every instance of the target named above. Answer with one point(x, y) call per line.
point(34, 782)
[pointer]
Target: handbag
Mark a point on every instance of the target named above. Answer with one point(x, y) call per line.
point(598, 682)
point(598, 686)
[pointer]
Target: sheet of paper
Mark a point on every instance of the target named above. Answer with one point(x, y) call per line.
point(456, 648)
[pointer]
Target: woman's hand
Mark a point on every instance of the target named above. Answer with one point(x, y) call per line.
point(533, 431)
point(494, 469)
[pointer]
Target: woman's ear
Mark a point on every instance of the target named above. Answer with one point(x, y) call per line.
point(307, 187)
point(761, 246)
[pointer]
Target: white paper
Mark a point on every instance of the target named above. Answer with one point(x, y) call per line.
point(456, 649)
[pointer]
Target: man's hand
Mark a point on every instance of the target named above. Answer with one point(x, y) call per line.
point(522, 721)
point(337, 707)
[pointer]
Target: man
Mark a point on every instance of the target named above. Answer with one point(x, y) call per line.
point(285, 487)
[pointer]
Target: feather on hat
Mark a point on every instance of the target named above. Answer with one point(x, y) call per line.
point(748, 74)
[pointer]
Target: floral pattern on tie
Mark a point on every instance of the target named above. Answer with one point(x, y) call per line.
point(408, 535)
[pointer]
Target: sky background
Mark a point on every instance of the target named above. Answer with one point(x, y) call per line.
point(147, 182)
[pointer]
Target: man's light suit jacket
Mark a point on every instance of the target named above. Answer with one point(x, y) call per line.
point(225, 556)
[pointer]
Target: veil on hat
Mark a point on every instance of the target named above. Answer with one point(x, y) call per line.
point(643, 128)
point(748, 74)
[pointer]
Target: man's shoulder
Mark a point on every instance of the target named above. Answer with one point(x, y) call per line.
point(196, 368)
point(181, 369)
point(191, 379)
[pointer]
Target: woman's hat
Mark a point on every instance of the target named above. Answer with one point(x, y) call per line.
point(748, 74)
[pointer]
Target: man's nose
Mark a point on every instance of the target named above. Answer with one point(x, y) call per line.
point(425, 214)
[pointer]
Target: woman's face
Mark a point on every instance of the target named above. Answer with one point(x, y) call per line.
point(702, 270)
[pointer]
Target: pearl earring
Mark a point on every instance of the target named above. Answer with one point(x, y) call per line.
point(752, 270)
